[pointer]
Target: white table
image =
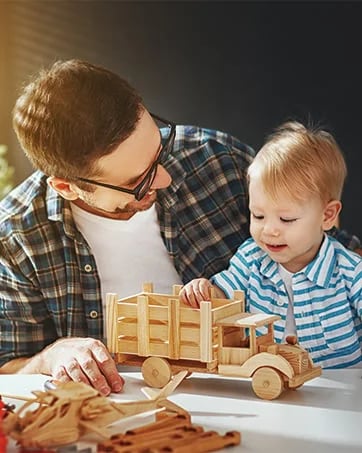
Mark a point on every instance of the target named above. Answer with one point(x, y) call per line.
point(324, 416)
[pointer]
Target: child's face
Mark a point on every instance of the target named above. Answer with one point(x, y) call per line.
point(290, 232)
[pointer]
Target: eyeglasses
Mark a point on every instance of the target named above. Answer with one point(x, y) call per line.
point(144, 186)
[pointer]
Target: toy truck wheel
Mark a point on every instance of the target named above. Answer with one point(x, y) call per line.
point(267, 383)
point(156, 372)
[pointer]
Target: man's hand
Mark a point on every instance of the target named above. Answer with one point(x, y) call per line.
point(196, 291)
point(82, 360)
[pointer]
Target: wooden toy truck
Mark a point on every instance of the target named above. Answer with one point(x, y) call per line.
point(164, 336)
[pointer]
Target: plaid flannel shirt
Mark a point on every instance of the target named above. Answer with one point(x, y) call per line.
point(49, 285)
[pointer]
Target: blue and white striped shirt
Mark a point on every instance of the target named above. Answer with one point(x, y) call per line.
point(327, 299)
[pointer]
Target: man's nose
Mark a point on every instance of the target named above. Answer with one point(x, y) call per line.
point(162, 179)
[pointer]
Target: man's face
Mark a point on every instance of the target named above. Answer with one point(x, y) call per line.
point(125, 167)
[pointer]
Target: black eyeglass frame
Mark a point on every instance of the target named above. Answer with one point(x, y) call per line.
point(144, 186)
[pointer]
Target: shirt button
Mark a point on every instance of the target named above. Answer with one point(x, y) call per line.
point(280, 303)
point(88, 268)
point(93, 314)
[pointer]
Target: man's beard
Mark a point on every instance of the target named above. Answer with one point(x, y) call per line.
point(141, 205)
point(128, 210)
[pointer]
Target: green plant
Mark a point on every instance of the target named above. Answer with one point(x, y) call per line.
point(6, 173)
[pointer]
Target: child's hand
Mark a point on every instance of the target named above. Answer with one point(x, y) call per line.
point(196, 291)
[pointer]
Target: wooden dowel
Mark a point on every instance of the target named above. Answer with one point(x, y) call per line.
point(18, 397)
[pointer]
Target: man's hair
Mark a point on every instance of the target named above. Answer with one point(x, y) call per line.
point(300, 162)
point(72, 114)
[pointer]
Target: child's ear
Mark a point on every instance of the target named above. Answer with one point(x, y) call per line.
point(330, 214)
point(63, 187)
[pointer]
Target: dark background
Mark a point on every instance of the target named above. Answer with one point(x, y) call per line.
point(242, 67)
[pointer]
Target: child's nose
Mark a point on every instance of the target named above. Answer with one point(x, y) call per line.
point(271, 229)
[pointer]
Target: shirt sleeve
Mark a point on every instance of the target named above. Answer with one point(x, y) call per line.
point(356, 291)
point(25, 324)
point(236, 277)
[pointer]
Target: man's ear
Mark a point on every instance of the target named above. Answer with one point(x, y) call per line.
point(330, 214)
point(63, 187)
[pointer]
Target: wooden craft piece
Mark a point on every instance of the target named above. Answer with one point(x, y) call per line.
point(173, 433)
point(73, 409)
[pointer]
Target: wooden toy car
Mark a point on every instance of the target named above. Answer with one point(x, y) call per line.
point(164, 336)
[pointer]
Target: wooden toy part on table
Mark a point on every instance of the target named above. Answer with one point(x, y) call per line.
point(74, 409)
point(172, 433)
point(164, 336)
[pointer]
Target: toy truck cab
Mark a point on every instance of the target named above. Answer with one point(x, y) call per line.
point(273, 367)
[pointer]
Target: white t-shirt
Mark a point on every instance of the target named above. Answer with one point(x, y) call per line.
point(128, 252)
point(290, 327)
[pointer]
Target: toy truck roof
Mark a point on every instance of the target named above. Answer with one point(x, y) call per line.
point(248, 320)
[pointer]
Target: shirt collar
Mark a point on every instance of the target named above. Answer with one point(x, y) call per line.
point(269, 269)
point(55, 204)
point(59, 210)
point(169, 194)
point(318, 271)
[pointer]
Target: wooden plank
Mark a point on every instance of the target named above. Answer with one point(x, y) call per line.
point(159, 349)
point(129, 300)
point(174, 328)
point(230, 370)
point(205, 332)
point(127, 346)
point(217, 302)
point(225, 311)
point(264, 339)
point(147, 287)
point(233, 356)
point(158, 299)
point(187, 334)
point(111, 322)
point(248, 320)
point(127, 329)
point(252, 340)
point(126, 310)
point(158, 313)
point(142, 326)
point(240, 295)
point(159, 331)
point(190, 334)
point(189, 315)
point(176, 289)
point(189, 352)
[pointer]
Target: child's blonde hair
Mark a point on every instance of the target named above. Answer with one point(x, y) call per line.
point(300, 162)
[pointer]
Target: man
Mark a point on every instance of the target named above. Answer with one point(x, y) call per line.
point(114, 202)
